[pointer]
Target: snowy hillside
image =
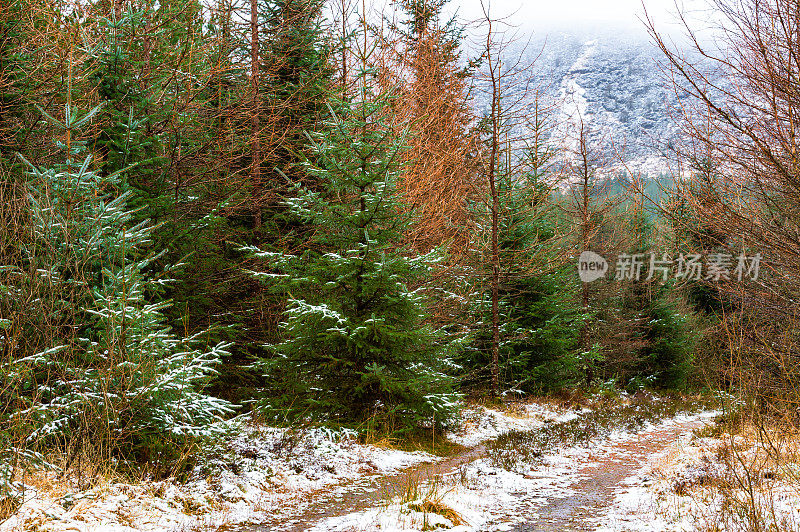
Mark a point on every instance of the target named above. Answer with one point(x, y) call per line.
point(612, 82)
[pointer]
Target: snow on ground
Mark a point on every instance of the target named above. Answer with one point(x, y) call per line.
point(258, 471)
point(262, 471)
point(477, 497)
point(692, 486)
point(480, 424)
point(483, 496)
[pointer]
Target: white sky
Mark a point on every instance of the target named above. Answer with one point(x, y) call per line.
point(540, 16)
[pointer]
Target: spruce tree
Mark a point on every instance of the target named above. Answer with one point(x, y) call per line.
point(673, 333)
point(356, 347)
point(293, 84)
point(114, 377)
point(120, 139)
point(298, 82)
point(540, 330)
point(539, 316)
point(656, 329)
point(13, 80)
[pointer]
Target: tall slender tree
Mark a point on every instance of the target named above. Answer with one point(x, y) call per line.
point(425, 62)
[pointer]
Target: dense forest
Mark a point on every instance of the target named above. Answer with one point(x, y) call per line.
point(302, 213)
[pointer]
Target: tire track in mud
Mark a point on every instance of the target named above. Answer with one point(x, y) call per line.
point(360, 494)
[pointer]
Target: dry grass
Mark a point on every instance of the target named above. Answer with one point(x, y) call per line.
point(424, 494)
point(8, 507)
point(429, 442)
point(748, 480)
point(437, 507)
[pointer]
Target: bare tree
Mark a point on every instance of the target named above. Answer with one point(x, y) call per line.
point(739, 109)
point(590, 205)
point(512, 129)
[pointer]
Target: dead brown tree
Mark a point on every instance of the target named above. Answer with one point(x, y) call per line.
point(421, 61)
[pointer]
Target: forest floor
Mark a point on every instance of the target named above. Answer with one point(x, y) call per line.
point(647, 475)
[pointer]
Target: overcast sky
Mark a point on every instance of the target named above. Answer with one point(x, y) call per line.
point(541, 16)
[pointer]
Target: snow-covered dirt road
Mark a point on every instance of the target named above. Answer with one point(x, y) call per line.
point(563, 491)
point(603, 478)
point(362, 493)
point(528, 466)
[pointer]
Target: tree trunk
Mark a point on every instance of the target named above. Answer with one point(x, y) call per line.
point(255, 143)
point(495, 229)
point(585, 242)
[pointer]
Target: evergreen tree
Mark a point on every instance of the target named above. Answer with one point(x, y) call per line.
point(293, 86)
point(114, 376)
point(672, 336)
point(656, 332)
point(119, 139)
point(148, 66)
point(541, 329)
point(539, 314)
point(12, 79)
point(356, 347)
point(299, 81)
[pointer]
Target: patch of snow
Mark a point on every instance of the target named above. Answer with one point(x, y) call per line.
point(574, 112)
point(676, 490)
point(480, 424)
point(260, 471)
point(481, 496)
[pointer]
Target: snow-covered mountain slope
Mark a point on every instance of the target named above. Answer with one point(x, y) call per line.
point(613, 84)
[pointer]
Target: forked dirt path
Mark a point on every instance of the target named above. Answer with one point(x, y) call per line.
point(601, 479)
point(595, 491)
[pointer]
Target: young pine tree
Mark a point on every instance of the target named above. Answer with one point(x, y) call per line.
point(541, 330)
point(673, 333)
point(296, 56)
point(356, 348)
point(658, 329)
point(114, 378)
point(539, 318)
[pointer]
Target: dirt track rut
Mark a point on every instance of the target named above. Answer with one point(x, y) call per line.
point(602, 479)
point(595, 491)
